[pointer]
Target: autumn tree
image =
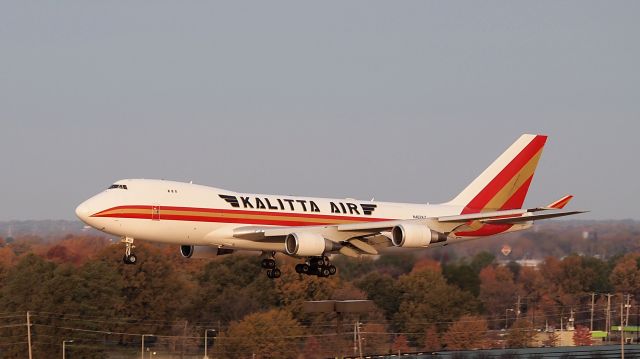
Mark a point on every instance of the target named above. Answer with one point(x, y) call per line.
point(23, 288)
point(374, 341)
point(497, 291)
point(271, 334)
point(463, 276)
point(151, 289)
point(294, 289)
point(552, 340)
point(383, 290)
point(431, 339)
point(61, 296)
point(7, 256)
point(400, 345)
point(312, 349)
point(625, 276)
point(521, 334)
point(393, 266)
point(468, 332)
point(582, 336)
point(426, 298)
point(229, 288)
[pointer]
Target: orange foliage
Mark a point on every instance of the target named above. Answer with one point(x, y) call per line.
point(582, 336)
point(400, 345)
point(7, 257)
point(426, 264)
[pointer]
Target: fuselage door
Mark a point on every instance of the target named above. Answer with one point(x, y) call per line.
point(155, 213)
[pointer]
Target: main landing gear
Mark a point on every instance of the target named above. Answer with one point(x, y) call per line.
point(318, 266)
point(270, 265)
point(129, 257)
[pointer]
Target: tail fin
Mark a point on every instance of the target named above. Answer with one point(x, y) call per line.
point(505, 183)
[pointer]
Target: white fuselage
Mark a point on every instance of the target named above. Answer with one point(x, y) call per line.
point(190, 214)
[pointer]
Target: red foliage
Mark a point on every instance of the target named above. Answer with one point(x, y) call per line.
point(426, 264)
point(400, 345)
point(582, 336)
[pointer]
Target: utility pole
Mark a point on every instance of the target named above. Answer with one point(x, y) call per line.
point(29, 333)
point(355, 338)
point(359, 340)
point(628, 305)
point(593, 302)
point(621, 330)
point(608, 321)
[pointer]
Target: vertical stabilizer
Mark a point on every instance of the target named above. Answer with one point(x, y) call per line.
point(504, 184)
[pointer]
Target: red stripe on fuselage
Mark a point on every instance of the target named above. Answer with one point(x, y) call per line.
point(276, 220)
point(218, 215)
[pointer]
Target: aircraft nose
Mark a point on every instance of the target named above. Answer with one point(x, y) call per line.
point(83, 211)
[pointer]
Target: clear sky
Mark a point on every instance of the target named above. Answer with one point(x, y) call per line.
point(401, 100)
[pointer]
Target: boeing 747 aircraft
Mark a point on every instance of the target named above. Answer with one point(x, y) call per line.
point(206, 221)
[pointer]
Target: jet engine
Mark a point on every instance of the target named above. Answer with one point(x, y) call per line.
point(202, 251)
point(307, 244)
point(414, 235)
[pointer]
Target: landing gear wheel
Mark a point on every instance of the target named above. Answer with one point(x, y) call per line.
point(130, 259)
point(268, 263)
point(332, 269)
point(324, 272)
point(275, 273)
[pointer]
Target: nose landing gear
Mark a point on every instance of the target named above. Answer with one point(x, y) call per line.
point(129, 257)
point(318, 266)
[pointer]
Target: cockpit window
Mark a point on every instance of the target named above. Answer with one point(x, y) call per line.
point(118, 186)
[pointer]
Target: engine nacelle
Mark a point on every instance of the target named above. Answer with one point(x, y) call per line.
point(414, 235)
point(307, 244)
point(202, 251)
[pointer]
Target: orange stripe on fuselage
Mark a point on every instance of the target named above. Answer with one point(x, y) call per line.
point(231, 216)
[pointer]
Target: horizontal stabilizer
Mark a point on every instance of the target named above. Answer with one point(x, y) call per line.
point(560, 204)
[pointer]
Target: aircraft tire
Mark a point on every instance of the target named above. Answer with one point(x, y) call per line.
point(275, 273)
point(268, 263)
point(332, 269)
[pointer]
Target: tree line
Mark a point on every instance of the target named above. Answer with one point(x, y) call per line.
point(76, 288)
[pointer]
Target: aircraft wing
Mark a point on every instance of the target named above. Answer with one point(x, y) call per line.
point(365, 237)
point(509, 216)
point(444, 224)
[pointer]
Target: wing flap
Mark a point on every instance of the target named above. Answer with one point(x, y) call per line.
point(363, 246)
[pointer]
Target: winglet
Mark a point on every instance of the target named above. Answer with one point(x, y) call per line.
point(559, 204)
